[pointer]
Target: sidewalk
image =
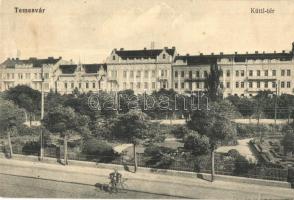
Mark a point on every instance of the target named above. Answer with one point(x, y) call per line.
point(145, 182)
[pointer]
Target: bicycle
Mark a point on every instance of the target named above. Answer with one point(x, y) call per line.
point(122, 186)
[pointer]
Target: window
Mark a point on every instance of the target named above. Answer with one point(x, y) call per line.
point(125, 74)
point(266, 84)
point(237, 73)
point(182, 74)
point(145, 85)
point(258, 84)
point(131, 74)
point(132, 85)
point(146, 74)
point(197, 74)
point(250, 84)
point(205, 74)
point(228, 85)
point(288, 72)
point(282, 84)
point(176, 74)
point(138, 85)
point(282, 72)
point(8, 76)
point(163, 56)
point(266, 73)
point(125, 85)
point(93, 85)
point(197, 85)
point(87, 85)
point(153, 85)
point(237, 84)
point(190, 85)
point(138, 74)
point(65, 85)
point(190, 74)
point(46, 75)
point(242, 73)
point(80, 85)
point(72, 85)
point(273, 84)
point(228, 73)
point(250, 72)
point(258, 72)
point(162, 73)
point(36, 75)
point(113, 57)
point(274, 72)
point(242, 84)
point(182, 85)
point(176, 85)
point(288, 84)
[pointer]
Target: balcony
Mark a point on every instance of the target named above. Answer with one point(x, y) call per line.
point(194, 80)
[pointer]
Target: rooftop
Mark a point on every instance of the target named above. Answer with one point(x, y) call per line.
point(212, 58)
point(35, 62)
point(145, 53)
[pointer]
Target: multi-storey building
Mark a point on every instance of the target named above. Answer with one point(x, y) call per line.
point(140, 70)
point(83, 77)
point(242, 74)
point(29, 72)
point(190, 72)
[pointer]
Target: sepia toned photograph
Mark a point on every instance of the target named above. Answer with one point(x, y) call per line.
point(147, 99)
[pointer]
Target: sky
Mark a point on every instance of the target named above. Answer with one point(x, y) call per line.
point(88, 30)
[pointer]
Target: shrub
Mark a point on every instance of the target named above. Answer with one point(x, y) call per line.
point(98, 150)
point(31, 148)
point(180, 132)
point(159, 157)
point(242, 165)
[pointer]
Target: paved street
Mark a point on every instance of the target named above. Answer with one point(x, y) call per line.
point(16, 186)
point(87, 177)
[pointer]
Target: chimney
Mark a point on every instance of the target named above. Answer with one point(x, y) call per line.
point(293, 47)
point(283, 51)
point(201, 54)
point(256, 52)
point(246, 52)
point(121, 49)
point(236, 52)
point(17, 59)
point(263, 52)
point(221, 53)
point(165, 48)
point(60, 57)
point(187, 54)
point(212, 53)
point(115, 50)
point(50, 58)
point(275, 52)
point(173, 47)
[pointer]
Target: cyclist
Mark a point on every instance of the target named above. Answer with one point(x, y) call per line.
point(115, 178)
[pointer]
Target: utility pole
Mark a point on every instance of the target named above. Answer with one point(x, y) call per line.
point(42, 116)
point(276, 103)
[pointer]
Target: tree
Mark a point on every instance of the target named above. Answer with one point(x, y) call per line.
point(10, 118)
point(215, 125)
point(67, 123)
point(25, 97)
point(288, 141)
point(213, 83)
point(196, 143)
point(131, 127)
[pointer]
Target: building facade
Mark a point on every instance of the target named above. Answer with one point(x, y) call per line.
point(81, 77)
point(31, 72)
point(149, 70)
point(144, 70)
